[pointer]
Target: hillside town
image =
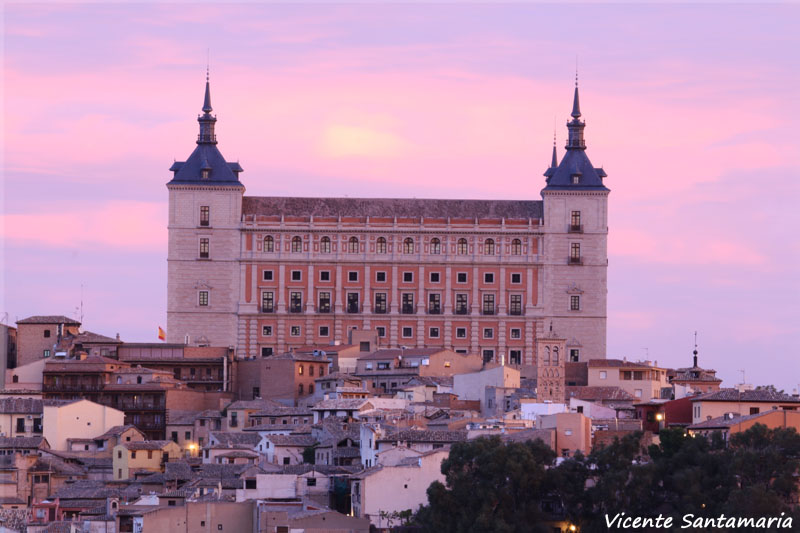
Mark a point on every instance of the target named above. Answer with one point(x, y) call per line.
point(99, 434)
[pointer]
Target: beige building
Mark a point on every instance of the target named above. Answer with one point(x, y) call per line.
point(200, 517)
point(642, 380)
point(382, 490)
point(26, 377)
point(80, 419)
point(742, 402)
point(130, 458)
point(732, 423)
point(573, 432)
point(472, 385)
point(20, 417)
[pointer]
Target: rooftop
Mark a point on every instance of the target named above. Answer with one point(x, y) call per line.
point(49, 319)
point(734, 395)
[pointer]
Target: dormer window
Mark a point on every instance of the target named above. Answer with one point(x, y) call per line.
point(205, 173)
point(576, 179)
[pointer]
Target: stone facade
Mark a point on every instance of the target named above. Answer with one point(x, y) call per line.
point(266, 275)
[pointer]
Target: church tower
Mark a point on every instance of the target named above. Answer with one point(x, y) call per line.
point(205, 206)
point(575, 245)
point(550, 368)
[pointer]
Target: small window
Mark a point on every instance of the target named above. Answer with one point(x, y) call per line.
point(435, 277)
point(204, 215)
point(267, 275)
point(408, 277)
point(266, 331)
point(462, 248)
point(203, 298)
point(516, 278)
point(47, 333)
point(488, 333)
point(352, 276)
point(380, 277)
point(380, 247)
point(269, 244)
point(515, 357)
point(204, 248)
point(325, 245)
point(433, 333)
point(46, 353)
point(754, 410)
point(574, 303)
point(488, 277)
point(381, 331)
point(352, 245)
point(574, 355)
point(325, 275)
point(408, 245)
point(436, 246)
point(488, 356)
point(488, 247)
point(461, 333)
point(266, 351)
point(297, 244)
point(408, 332)
point(461, 277)
point(323, 331)
point(516, 333)
point(311, 482)
point(297, 275)
point(576, 179)
point(294, 331)
point(516, 247)
point(575, 252)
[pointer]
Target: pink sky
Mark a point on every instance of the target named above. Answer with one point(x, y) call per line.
point(690, 109)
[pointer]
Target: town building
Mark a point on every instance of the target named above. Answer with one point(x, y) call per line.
point(39, 336)
point(642, 380)
point(268, 274)
point(741, 401)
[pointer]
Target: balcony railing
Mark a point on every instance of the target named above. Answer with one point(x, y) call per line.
point(267, 309)
point(462, 311)
point(576, 228)
point(380, 310)
point(324, 308)
point(408, 309)
point(434, 310)
point(488, 311)
point(67, 387)
point(575, 260)
point(515, 312)
point(353, 308)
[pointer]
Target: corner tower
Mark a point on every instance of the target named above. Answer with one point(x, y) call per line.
point(205, 209)
point(575, 245)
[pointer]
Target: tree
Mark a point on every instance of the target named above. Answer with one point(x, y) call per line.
point(491, 486)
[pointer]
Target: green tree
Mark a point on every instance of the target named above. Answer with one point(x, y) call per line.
point(491, 486)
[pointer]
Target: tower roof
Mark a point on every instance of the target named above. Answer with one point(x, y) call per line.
point(575, 172)
point(206, 165)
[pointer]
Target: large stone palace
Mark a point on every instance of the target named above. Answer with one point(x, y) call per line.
point(268, 274)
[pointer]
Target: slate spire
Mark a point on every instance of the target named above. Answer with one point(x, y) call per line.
point(207, 120)
point(576, 125)
point(207, 102)
point(554, 162)
point(576, 105)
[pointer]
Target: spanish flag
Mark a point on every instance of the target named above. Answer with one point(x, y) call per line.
point(162, 335)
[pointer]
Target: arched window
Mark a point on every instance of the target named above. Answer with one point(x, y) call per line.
point(269, 244)
point(300, 370)
point(546, 355)
point(516, 247)
point(462, 247)
point(488, 247)
point(352, 246)
point(325, 245)
point(297, 244)
point(311, 388)
point(300, 389)
point(408, 246)
point(555, 355)
point(436, 246)
point(380, 246)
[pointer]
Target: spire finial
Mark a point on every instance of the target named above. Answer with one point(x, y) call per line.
point(207, 100)
point(695, 349)
point(576, 107)
point(554, 161)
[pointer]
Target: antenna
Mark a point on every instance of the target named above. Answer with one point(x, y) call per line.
point(576, 70)
point(208, 62)
point(743, 380)
point(695, 340)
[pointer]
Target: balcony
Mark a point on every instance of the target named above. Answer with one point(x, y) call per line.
point(70, 387)
point(295, 308)
point(380, 310)
point(434, 310)
point(407, 309)
point(267, 309)
point(324, 308)
point(462, 311)
point(488, 311)
point(353, 308)
point(515, 312)
point(575, 261)
point(575, 228)
point(139, 406)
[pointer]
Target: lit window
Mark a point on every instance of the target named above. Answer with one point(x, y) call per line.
point(516, 247)
point(204, 246)
point(488, 247)
point(295, 331)
point(203, 298)
point(408, 245)
point(266, 331)
point(462, 247)
point(436, 246)
point(269, 244)
point(204, 215)
point(574, 303)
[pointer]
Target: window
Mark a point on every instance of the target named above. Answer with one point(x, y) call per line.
point(250, 483)
point(381, 331)
point(133, 455)
point(310, 371)
point(515, 304)
point(516, 247)
point(297, 244)
point(202, 298)
point(380, 277)
point(574, 355)
point(434, 301)
point(311, 482)
point(325, 245)
point(436, 246)
point(462, 247)
point(352, 275)
point(488, 247)
point(325, 275)
point(488, 333)
point(488, 355)
point(435, 277)
point(20, 425)
point(575, 221)
point(297, 275)
point(295, 302)
point(380, 302)
point(269, 244)
point(408, 303)
point(488, 277)
point(266, 351)
point(300, 370)
point(294, 331)
point(461, 304)
point(408, 332)
point(323, 331)
point(46, 353)
point(637, 393)
point(352, 245)
point(516, 278)
point(363, 346)
point(408, 245)
point(204, 215)
point(603, 374)
point(574, 303)
point(46, 333)
point(352, 302)
point(267, 302)
point(204, 248)
point(516, 333)
point(461, 277)
point(256, 394)
point(515, 357)
point(576, 179)
point(311, 388)
point(380, 246)
point(324, 302)
point(408, 277)
point(461, 333)
point(754, 410)
point(575, 252)
point(268, 275)
point(488, 304)
point(433, 333)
